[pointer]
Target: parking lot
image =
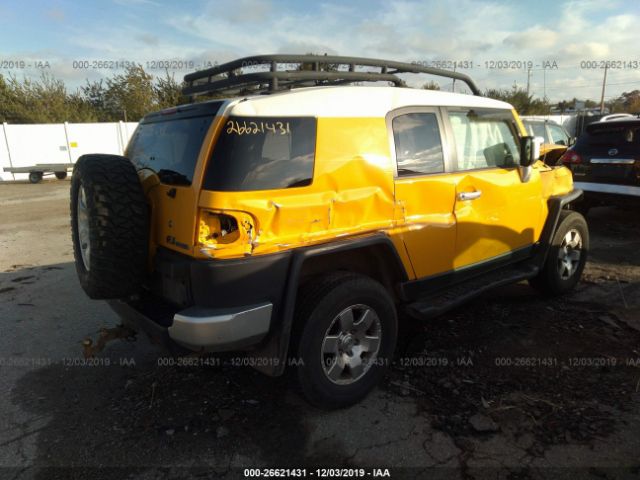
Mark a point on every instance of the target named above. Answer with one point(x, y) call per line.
point(510, 386)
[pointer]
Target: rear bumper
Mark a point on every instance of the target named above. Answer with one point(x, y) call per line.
point(216, 330)
point(209, 305)
point(202, 329)
point(608, 188)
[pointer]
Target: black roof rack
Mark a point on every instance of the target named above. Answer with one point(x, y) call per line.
point(311, 70)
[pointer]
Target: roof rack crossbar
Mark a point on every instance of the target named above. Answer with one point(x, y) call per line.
point(225, 79)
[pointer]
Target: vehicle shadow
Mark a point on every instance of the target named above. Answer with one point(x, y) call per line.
point(615, 232)
point(133, 408)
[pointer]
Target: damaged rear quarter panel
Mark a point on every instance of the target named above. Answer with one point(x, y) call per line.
point(352, 192)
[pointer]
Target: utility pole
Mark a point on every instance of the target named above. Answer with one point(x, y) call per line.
point(544, 80)
point(604, 83)
point(528, 80)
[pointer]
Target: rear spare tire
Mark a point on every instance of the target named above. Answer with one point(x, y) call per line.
point(109, 226)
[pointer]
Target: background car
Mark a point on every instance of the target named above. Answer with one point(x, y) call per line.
point(605, 162)
point(617, 116)
point(556, 138)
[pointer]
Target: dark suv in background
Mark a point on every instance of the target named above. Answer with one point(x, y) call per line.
point(605, 162)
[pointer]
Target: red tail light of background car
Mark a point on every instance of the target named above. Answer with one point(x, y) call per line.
point(571, 157)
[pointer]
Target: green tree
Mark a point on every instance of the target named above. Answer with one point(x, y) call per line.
point(130, 96)
point(168, 92)
point(45, 100)
point(431, 85)
point(524, 103)
point(628, 102)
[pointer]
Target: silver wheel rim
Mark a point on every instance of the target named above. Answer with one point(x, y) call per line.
point(569, 254)
point(83, 227)
point(351, 343)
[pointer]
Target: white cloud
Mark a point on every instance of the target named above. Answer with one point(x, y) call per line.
point(538, 37)
point(404, 30)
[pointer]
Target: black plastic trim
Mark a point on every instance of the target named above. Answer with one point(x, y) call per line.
point(555, 205)
point(275, 347)
point(226, 79)
point(433, 283)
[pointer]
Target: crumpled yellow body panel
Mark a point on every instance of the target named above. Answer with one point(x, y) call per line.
point(352, 193)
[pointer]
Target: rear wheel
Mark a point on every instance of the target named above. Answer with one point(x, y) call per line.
point(35, 177)
point(61, 175)
point(567, 256)
point(348, 329)
point(109, 226)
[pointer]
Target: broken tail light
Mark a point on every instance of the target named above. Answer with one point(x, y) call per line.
point(218, 228)
point(226, 233)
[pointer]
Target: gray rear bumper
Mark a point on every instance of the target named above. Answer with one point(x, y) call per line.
point(203, 329)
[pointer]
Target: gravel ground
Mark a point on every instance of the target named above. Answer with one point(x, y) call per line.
point(512, 386)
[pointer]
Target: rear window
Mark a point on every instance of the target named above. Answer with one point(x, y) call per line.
point(169, 147)
point(612, 136)
point(263, 153)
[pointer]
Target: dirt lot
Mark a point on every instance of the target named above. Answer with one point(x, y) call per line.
point(512, 386)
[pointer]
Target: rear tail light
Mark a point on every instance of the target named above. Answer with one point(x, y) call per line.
point(571, 157)
point(218, 228)
point(229, 233)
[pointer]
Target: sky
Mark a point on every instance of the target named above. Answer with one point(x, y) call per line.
point(498, 39)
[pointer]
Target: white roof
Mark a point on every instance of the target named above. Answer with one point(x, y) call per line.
point(352, 101)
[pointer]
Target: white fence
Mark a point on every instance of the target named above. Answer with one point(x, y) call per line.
point(28, 145)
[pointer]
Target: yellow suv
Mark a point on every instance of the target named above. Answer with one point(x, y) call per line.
point(298, 219)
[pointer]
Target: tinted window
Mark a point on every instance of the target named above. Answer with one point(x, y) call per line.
point(260, 153)
point(418, 145)
point(170, 147)
point(558, 136)
point(485, 139)
point(624, 138)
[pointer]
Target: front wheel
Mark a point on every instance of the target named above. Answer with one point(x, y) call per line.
point(567, 256)
point(61, 175)
point(348, 335)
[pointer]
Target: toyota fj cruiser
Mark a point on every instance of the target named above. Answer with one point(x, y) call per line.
point(300, 216)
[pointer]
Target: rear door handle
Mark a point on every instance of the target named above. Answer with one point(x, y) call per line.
point(462, 196)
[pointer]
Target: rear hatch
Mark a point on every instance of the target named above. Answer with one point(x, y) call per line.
point(166, 149)
point(608, 152)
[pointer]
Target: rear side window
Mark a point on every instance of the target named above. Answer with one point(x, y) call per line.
point(263, 153)
point(169, 147)
point(418, 144)
point(485, 139)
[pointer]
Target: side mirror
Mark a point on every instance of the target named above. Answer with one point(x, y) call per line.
point(530, 150)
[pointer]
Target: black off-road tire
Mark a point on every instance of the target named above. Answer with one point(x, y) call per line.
point(118, 225)
point(318, 304)
point(61, 175)
point(549, 281)
point(35, 177)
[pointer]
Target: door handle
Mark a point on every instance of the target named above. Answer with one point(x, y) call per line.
point(469, 195)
